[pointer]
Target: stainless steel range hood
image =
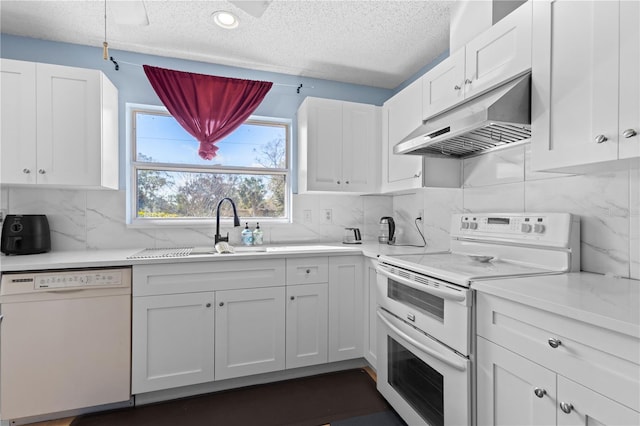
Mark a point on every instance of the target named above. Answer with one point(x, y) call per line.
point(496, 118)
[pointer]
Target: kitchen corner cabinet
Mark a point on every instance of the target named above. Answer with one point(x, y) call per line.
point(586, 85)
point(250, 332)
point(346, 307)
point(59, 126)
point(498, 54)
point(536, 367)
point(370, 318)
point(401, 116)
point(338, 143)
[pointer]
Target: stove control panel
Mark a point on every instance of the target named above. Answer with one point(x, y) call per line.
point(543, 228)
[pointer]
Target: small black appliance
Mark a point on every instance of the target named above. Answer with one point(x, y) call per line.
point(25, 234)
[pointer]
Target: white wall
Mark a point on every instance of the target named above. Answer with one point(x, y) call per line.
point(608, 205)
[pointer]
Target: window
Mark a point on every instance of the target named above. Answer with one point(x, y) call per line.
point(170, 183)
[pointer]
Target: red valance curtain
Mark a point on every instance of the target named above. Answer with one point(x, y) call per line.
point(208, 107)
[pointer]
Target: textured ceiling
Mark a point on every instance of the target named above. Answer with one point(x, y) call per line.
point(377, 42)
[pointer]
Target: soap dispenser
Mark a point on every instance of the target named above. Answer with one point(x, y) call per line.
point(257, 235)
point(247, 235)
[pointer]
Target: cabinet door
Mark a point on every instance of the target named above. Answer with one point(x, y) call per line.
point(507, 386)
point(370, 298)
point(629, 79)
point(250, 332)
point(345, 308)
point(172, 341)
point(324, 145)
point(401, 115)
point(575, 83)
point(69, 125)
point(360, 143)
point(307, 311)
point(578, 405)
point(18, 109)
point(500, 53)
point(443, 85)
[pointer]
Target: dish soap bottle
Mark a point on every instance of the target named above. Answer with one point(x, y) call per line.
point(257, 235)
point(247, 235)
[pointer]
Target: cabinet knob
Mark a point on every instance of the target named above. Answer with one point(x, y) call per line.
point(338, 182)
point(208, 305)
point(347, 182)
point(221, 304)
point(567, 407)
point(308, 271)
point(554, 343)
point(26, 171)
point(467, 81)
point(601, 139)
point(539, 392)
point(417, 175)
point(42, 171)
point(629, 133)
point(456, 87)
point(292, 298)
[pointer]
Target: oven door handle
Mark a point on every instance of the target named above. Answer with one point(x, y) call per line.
point(457, 296)
point(457, 365)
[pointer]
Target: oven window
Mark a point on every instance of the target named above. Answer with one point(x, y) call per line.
point(425, 302)
point(419, 385)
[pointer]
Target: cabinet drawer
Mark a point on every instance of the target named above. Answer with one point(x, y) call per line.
point(601, 359)
point(307, 270)
point(207, 276)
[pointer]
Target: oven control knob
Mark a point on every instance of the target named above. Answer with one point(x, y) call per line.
point(465, 225)
point(525, 227)
point(473, 225)
point(539, 228)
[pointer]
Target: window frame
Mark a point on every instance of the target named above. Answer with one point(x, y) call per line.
point(134, 166)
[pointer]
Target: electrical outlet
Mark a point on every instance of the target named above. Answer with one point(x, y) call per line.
point(327, 216)
point(421, 214)
point(306, 216)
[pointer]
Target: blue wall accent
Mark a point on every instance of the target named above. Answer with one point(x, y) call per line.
point(133, 86)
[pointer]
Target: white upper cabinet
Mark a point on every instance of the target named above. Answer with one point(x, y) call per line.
point(338, 143)
point(586, 91)
point(59, 126)
point(493, 57)
point(401, 116)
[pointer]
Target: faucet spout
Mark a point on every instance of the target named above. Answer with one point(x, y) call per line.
point(236, 220)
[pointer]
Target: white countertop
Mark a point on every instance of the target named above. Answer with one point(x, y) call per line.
point(604, 301)
point(119, 257)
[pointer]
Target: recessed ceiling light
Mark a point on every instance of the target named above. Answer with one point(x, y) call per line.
point(225, 19)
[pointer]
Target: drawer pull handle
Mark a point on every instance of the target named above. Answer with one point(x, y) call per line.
point(554, 343)
point(629, 133)
point(567, 407)
point(539, 392)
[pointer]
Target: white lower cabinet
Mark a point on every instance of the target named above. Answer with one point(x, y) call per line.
point(172, 341)
point(370, 300)
point(306, 334)
point(515, 390)
point(345, 308)
point(536, 367)
point(203, 322)
point(249, 332)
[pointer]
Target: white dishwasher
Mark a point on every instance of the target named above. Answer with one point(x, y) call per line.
point(65, 341)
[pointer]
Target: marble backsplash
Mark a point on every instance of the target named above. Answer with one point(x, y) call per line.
point(607, 203)
point(501, 181)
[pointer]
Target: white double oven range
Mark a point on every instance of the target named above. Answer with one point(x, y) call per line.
point(425, 313)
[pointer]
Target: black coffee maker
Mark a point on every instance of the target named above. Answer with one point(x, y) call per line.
point(25, 234)
point(387, 230)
